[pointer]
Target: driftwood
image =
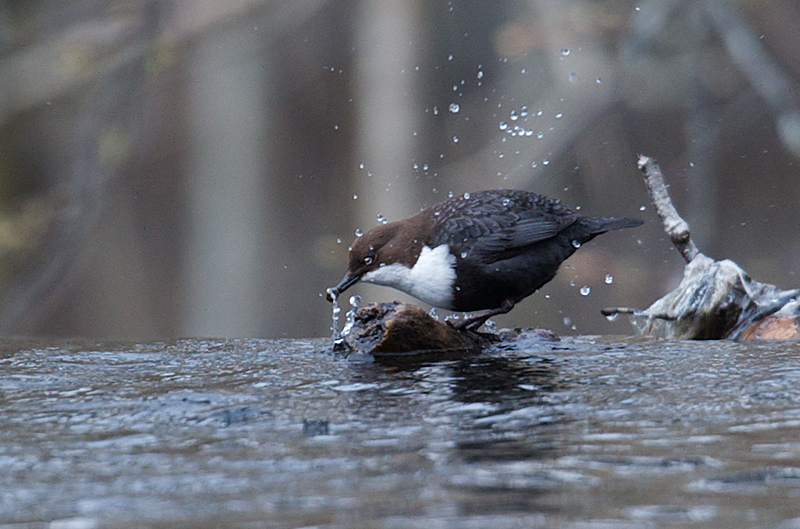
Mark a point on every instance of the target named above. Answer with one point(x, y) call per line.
point(715, 299)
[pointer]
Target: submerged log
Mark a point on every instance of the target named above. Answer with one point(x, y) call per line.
point(715, 299)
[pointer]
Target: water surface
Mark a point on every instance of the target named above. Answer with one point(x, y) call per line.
point(589, 432)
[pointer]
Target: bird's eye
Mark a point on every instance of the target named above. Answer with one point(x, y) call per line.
point(368, 260)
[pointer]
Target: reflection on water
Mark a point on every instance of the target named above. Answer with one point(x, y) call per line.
point(583, 433)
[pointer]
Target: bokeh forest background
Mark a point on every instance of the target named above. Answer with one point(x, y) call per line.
point(198, 167)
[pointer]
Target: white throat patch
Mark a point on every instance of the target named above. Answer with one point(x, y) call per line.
point(430, 279)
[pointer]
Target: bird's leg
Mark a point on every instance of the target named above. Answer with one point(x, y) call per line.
point(474, 323)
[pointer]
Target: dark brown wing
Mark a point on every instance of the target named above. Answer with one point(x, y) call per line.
point(497, 224)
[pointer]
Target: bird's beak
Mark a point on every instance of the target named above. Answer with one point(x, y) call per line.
point(346, 282)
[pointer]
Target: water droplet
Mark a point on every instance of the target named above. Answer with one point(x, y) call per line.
point(434, 314)
point(450, 57)
point(503, 125)
point(359, 233)
point(642, 208)
point(454, 108)
point(539, 112)
point(490, 326)
point(564, 52)
point(450, 194)
point(540, 135)
point(513, 116)
point(382, 219)
point(576, 244)
point(361, 165)
point(534, 165)
point(609, 279)
point(573, 77)
point(547, 162)
point(355, 301)
point(480, 74)
point(435, 110)
point(523, 71)
point(523, 111)
point(455, 139)
point(612, 317)
point(506, 202)
point(466, 196)
point(425, 167)
point(463, 255)
point(355, 197)
point(547, 296)
point(415, 166)
point(598, 80)
point(559, 115)
point(338, 240)
point(586, 290)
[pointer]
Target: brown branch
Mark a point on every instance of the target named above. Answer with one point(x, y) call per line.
point(674, 225)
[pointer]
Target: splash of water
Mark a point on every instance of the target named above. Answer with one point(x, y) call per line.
point(336, 336)
point(350, 317)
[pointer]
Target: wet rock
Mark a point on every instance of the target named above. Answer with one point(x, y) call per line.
point(402, 328)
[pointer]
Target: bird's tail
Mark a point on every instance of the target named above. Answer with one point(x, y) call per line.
point(598, 225)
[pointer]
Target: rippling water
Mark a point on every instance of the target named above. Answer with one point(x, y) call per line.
point(260, 433)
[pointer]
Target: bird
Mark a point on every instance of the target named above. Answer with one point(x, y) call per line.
point(481, 251)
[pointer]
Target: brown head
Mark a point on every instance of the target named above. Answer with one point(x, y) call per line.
point(385, 244)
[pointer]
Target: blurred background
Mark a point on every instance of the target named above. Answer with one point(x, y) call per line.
point(198, 168)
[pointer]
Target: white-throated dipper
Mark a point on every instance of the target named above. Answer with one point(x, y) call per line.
point(481, 251)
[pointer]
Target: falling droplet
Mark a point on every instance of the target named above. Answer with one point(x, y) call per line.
point(576, 244)
point(455, 139)
point(463, 255)
point(466, 196)
point(355, 197)
point(503, 125)
point(425, 167)
point(382, 219)
point(609, 279)
point(450, 194)
point(359, 233)
point(338, 240)
point(559, 115)
point(564, 52)
point(450, 57)
point(361, 165)
point(480, 74)
point(586, 290)
point(513, 116)
point(454, 108)
point(642, 208)
point(506, 202)
point(598, 80)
